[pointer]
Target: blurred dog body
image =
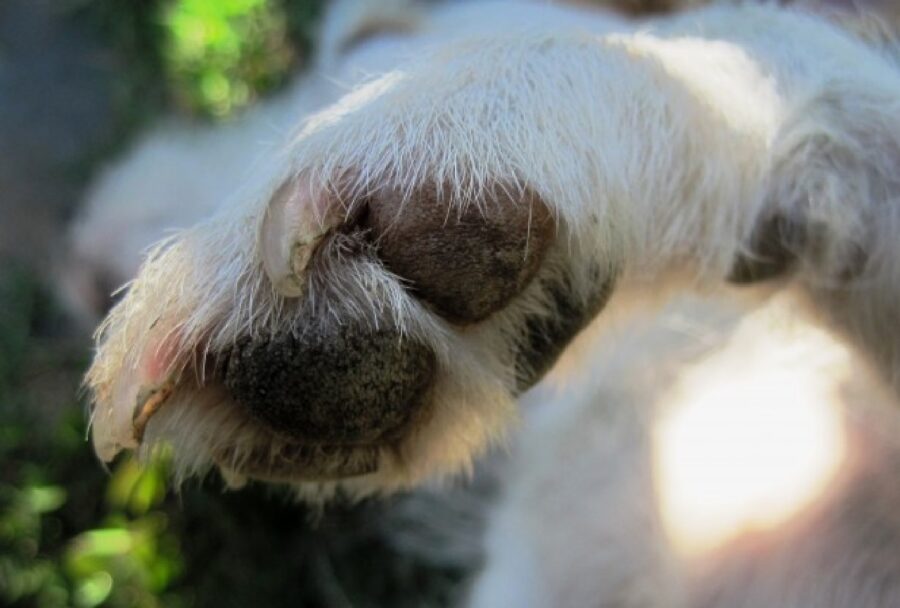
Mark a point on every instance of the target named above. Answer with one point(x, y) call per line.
point(712, 453)
point(706, 455)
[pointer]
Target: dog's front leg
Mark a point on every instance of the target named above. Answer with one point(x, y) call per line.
point(452, 225)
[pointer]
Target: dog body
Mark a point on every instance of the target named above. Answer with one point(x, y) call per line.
point(702, 456)
point(361, 303)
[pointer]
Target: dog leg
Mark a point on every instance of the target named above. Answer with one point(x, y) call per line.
point(455, 222)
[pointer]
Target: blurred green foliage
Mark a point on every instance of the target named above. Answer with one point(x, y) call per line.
point(128, 557)
point(220, 52)
point(63, 541)
point(208, 58)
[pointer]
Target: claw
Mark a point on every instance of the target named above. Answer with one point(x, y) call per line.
point(149, 401)
point(293, 226)
point(137, 395)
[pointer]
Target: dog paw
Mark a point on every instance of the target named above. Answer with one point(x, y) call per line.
point(363, 331)
point(370, 307)
point(425, 248)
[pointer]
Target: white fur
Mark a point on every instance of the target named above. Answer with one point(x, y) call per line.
point(660, 148)
point(582, 521)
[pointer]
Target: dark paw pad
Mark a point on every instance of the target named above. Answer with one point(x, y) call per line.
point(465, 265)
point(352, 386)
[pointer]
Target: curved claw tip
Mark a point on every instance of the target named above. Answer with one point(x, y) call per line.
point(294, 224)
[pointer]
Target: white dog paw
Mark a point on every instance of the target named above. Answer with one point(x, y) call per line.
point(425, 248)
point(373, 337)
point(372, 312)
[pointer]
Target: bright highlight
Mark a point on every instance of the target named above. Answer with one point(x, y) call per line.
point(751, 436)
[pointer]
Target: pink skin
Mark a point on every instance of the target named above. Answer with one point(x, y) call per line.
point(157, 362)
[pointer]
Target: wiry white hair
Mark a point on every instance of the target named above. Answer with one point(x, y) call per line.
point(660, 153)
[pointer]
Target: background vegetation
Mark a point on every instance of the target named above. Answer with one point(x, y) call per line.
point(74, 534)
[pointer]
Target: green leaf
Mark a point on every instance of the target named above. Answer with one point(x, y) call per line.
point(93, 590)
point(103, 543)
point(44, 499)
